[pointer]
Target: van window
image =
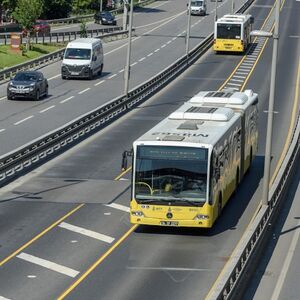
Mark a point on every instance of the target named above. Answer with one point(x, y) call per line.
point(196, 3)
point(75, 53)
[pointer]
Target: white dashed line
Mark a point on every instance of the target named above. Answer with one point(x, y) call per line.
point(174, 38)
point(50, 107)
point(3, 98)
point(83, 91)
point(112, 76)
point(66, 100)
point(169, 42)
point(163, 46)
point(235, 84)
point(21, 121)
point(100, 82)
point(143, 58)
point(156, 50)
point(48, 264)
point(243, 73)
point(58, 75)
point(3, 298)
point(150, 54)
point(134, 64)
point(1, 130)
point(119, 206)
point(121, 71)
point(237, 76)
point(86, 232)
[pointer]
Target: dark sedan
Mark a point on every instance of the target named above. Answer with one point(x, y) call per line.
point(105, 18)
point(27, 85)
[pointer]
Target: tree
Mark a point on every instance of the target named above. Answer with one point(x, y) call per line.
point(6, 4)
point(26, 12)
point(56, 9)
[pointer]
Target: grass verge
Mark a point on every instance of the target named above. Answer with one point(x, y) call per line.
point(9, 58)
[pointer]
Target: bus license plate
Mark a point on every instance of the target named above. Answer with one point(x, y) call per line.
point(169, 223)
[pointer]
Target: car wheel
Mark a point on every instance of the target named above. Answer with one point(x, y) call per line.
point(91, 75)
point(63, 77)
point(37, 95)
point(46, 91)
point(9, 97)
point(100, 71)
point(102, 23)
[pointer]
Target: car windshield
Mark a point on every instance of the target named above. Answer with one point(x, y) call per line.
point(229, 31)
point(168, 173)
point(26, 77)
point(106, 14)
point(196, 3)
point(77, 53)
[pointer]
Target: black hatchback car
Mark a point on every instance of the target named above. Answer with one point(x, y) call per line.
point(105, 18)
point(27, 85)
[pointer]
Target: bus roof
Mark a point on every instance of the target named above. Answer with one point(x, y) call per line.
point(226, 98)
point(235, 19)
point(191, 124)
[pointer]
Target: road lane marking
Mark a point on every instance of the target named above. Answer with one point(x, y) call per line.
point(121, 71)
point(53, 77)
point(40, 234)
point(163, 46)
point(97, 263)
point(112, 76)
point(66, 100)
point(3, 298)
point(3, 98)
point(86, 232)
point(156, 50)
point(83, 91)
point(143, 58)
point(100, 82)
point(287, 262)
point(168, 269)
point(21, 121)
point(133, 64)
point(119, 207)
point(150, 54)
point(50, 107)
point(48, 264)
point(3, 129)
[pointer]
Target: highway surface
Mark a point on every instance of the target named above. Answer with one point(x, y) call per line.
point(159, 41)
point(64, 229)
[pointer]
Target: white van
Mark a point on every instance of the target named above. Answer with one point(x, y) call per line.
point(198, 7)
point(82, 58)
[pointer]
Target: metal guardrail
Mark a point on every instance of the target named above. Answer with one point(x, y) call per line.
point(56, 37)
point(77, 19)
point(8, 73)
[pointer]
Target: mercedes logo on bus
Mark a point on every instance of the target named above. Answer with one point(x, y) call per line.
point(169, 215)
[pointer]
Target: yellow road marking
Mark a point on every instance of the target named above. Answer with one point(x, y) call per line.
point(96, 264)
point(40, 234)
point(123, 173)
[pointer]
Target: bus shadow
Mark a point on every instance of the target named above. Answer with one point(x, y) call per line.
point(231, 214)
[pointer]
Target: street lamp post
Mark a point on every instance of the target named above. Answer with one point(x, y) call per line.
point(127, 67)
point(216, 10)
point(188, 30)
point(275, 35)
point(125, 15)
point(232, 6)
point(101, 5)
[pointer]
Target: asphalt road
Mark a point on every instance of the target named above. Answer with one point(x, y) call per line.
point(42, 221)
point(159, 41)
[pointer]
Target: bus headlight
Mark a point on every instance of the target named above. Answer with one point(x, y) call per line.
point(137, 213)
point(201, 217)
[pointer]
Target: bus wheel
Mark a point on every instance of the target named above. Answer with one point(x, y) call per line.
point(220, 206)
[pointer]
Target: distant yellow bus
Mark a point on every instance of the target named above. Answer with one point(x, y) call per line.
point(232, 33)
point(186, 167)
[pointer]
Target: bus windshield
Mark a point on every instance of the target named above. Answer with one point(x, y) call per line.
point(166, 173)
point(229, 31)
point(75, 53)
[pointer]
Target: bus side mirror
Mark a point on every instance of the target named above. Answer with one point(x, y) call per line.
point(125, 154)
point(251, 20)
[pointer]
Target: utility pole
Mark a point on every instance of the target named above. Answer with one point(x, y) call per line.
point(125, 14)
point(127, 67)
point(188, 30)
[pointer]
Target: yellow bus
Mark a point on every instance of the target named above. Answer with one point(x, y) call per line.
point(186, 167)
point(232, 33)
